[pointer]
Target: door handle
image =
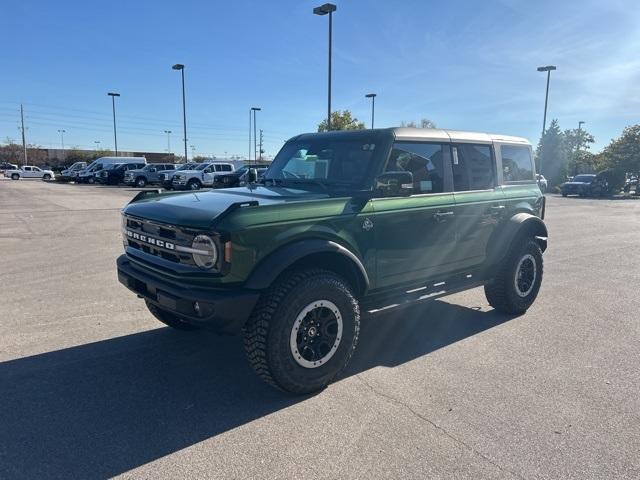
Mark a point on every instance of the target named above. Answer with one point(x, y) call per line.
point(441, 216)
point(497, 208)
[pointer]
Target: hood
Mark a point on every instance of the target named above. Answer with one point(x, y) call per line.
point(200, 209)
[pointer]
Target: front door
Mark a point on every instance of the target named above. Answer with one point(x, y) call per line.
point(480, 202)
point(415, 235)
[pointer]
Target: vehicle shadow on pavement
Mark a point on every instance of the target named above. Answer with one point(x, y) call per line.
point(101, 409)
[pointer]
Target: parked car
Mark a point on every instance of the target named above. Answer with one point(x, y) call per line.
point(345, 222)
point(204, 175)
point(542, 182)
point(166, 177)
point(71, 171)
point(88, 174)
point(236, 178)
point(147, 175)
point(579, 185)
point(7, 166)
point(29, 171)
point(115, 175)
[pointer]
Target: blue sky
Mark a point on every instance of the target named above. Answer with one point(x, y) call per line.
point(464, 64)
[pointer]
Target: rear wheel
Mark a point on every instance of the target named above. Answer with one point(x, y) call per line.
point(141, 182)
point(15, 176)
point(514, 289)
point(194, 184)
point(169, 318)
point(303, 331)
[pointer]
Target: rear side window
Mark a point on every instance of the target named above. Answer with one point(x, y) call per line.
point(516, 163)
point(226, 168)
point(425, 161)
point(472, 167)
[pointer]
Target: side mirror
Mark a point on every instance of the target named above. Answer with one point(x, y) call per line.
point(152, 170)
point(252, 175)
point(395, 184)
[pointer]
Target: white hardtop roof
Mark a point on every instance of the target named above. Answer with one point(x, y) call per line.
point(438, 134)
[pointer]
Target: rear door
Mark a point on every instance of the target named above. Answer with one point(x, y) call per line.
point(415, 235)
point(480, 203)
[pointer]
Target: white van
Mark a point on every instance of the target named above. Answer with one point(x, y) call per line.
point(88, 174)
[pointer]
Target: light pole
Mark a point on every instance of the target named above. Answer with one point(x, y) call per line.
point(193, 151)
point(168, 132)
point(255, 143)
point(97, 142)
point(580, 123)
point(62, 132)
point(113, 96)
point(328, 8)
point(179, 66)
point(548, 69)
point(372, 96)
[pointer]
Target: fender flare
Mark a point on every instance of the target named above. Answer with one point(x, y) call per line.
point(519, 224)
point(284, 257)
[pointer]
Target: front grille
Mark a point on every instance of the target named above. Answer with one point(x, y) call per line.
point(147, 236)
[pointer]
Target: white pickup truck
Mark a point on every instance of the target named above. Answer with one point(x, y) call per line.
point(204, 175)
point(29, 171)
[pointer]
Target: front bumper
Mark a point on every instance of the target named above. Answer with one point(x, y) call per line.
point(223, 310)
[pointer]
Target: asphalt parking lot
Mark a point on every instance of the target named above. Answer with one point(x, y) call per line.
point(92, 386)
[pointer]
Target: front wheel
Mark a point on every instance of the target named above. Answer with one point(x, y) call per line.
point(194, 185)
point(517, 283)
point(46, 177)
point(141, 182)
point(169, 318)
point(303, 331)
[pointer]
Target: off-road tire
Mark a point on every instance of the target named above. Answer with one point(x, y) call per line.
point(15, 176)
point(194, 184)
point(501, 291)
point(169, 318)
point(267, 333)
point(141, 182)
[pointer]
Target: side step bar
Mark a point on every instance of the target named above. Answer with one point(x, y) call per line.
point(421, 294)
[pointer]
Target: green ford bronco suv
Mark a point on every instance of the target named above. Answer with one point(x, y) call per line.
point(342, 223)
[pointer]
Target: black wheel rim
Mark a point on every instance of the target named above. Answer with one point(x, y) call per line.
point(525, 276)
point(316, 334)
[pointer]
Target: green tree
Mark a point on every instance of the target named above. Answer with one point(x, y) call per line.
point(623, 154)
point(341, 120)
point(551, 155)
point(578, 139)
point(424, 123)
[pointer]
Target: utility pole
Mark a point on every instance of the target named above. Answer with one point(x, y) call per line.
point(24, 142)
point(261, 138)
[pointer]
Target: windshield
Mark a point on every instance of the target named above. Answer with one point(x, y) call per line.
point(323, 160)
point(187, 166)
point(583, 178)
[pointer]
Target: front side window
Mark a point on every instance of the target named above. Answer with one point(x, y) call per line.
point(425, 161)
point(472, 167)
point(516, 163)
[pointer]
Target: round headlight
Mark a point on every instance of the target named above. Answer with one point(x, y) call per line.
point(207, 254)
